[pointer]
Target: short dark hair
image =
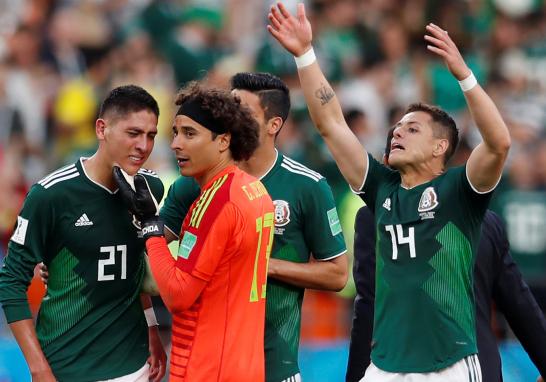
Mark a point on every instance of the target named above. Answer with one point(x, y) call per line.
point(390, 135)
point(127, 99)
point(271, 90)
point(226, 110)
point(446, 126)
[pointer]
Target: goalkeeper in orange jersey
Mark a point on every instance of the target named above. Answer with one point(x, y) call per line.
point(215, 289)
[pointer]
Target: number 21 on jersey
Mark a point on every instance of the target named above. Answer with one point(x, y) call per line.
point(398, 238)
point(265, 242)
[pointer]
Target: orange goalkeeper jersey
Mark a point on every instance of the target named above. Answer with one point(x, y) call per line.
point(225, 241)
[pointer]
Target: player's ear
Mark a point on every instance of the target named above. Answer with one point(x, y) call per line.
point(224, 140)
point(100, 128)
point(274, 125)
point(440, 147)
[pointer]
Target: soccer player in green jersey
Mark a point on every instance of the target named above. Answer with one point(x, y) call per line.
point(306, 224)
point(427, 217)
point(91, 324)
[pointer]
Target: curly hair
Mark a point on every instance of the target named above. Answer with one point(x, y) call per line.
point(227, 112)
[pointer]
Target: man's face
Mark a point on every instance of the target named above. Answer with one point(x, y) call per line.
point(413, 141)
point(196, 152)
point(129, 139)
point(252, 101)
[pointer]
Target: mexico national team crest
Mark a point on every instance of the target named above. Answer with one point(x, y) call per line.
point(282, 215)
point(428, 202)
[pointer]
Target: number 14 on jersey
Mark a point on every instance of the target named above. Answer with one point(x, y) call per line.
point(398, 238)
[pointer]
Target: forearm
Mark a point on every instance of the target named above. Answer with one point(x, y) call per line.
point(25, 334)
point(178, 289)
point(324, 275)
point(327, 116)
point(489, 121)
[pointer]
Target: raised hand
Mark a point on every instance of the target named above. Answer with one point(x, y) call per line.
point(293, 33)
point(441, 44)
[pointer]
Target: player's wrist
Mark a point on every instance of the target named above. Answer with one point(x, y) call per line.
point(468, 83)
point(307, 58)
point(152, 227)
point(151, 319)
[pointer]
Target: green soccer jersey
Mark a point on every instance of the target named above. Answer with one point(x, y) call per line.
point(90, 325)
point(427, 237)
point(306, 222)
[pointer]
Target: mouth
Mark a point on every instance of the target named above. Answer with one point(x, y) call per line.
point(137, 159)
point(181, 160)
point(395, 146)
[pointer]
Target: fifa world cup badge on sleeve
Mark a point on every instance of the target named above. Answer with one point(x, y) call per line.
point(21, 231)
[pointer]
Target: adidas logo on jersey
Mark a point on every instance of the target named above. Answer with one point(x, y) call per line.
point(83, 221)
point(387, 204)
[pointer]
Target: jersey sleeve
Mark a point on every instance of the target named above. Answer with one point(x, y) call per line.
point(476, 202)
point(322, 228)
point(376, 175)
point(179, 199)
point(27, 247)
point(203, 247)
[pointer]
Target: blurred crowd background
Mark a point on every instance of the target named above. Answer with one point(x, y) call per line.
point(58, 59)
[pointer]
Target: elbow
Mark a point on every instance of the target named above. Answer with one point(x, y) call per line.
point(503, 145)
point(179, 307)
point(339, 282)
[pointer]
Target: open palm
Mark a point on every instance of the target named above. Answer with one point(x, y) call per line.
point(293, 33)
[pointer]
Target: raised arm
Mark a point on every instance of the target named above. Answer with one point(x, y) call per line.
point(484, 167)
point(295, 35)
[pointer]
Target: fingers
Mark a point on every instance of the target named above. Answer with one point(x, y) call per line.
point(274, 11)
point(284, 11)
point(123, 180)
point(438, 51)
point(301, 13)
point(439, 34)
point(141, 184)
point(274, 22)
point(436, 43)
point(152, 361)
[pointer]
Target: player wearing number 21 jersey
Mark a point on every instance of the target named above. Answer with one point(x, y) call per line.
point(90, 324)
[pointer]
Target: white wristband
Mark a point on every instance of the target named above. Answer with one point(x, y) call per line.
point(306, 59)
point(150, 317)
point(468, 83)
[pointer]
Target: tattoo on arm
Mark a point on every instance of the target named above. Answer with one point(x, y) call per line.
point(325, 94)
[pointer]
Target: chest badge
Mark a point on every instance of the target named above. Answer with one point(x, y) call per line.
point(282, 215)
point(428, 202)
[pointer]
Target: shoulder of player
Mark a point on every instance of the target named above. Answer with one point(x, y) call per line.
point(299, 172)
point(58, 179)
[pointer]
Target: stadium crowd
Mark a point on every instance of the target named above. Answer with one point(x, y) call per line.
point(58, 59)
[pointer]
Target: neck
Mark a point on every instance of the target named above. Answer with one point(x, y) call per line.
point(99, 170)
point(412, 177)
point(261, 161)
point(204, 179)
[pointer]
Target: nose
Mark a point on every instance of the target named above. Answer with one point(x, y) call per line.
point(144, 144)
point(176, 143)
point(397, 132)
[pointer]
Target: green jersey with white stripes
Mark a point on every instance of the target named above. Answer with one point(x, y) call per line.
point(90, 325)
point(427, 238)
point(306, 222)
